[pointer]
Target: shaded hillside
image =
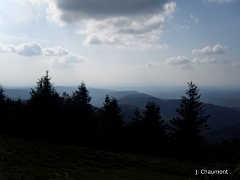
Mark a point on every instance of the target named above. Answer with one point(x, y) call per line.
point(98, 95)
point(18, 93)
point(221, 117)
point(227, 102)
point(225, 133)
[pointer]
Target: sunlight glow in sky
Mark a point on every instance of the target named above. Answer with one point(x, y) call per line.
point(120, 43)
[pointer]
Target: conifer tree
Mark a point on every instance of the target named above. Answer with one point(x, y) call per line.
point(112, 112)
point(44, 111)
point(187, 127)
point(81, 102)
point(137, 119)
point(154, 129)
point(113, 124)
point(45, 95)
point(152, 120)
point(81, 115)
point(3, 112)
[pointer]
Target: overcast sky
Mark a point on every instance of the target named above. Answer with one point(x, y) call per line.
point(120, 42)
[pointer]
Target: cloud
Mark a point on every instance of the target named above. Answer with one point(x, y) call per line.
point(217, 49)
point(205, 61)
point(3, 48)
point(125, 24)
point(76, 10)
point(218, 1)
point(64, 57)
point(98, 39)
point(154, 64)
point(25, 49)
point(195, 19)
point(179, 60)
point(185, 63)
point(34, 49)
point(28, 49)
point(69, 61)
point(55, 51)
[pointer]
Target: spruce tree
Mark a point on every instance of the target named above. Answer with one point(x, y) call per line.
point(154, 129)
point(44, 111)
point(112, 113)
point(81, 102)
point(82, 113)
point(3, 112)
point(191, 120)
point(137, 119)
point(44, 95)
point(113, 124)
point(152, 120)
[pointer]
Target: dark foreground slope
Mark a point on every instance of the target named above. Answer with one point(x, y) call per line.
point(37, 161)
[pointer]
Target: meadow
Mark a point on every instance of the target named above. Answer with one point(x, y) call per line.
point(21, 159)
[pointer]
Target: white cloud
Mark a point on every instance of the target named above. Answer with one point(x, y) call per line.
point(64, 57)
point(55, 51)
point(25, 49)
point(142, 33)
point(185, 63)
point(28, 49)
point(34, 49)
point(3, 48)
point(217, 49)
point(154, 64)
point(179, 60)
point(195, 19)
point(68, 61)
point(205, 61)
point(127, 24)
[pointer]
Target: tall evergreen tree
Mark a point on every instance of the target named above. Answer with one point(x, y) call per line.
point(112, 112)
point(152, 120)
point(44, 110)
point(82, 113)
point(113, 124)
point(44, 96)
point(154, 129)
point(187, 127)
point(81, 102)
point(137, 119)
point(136, 135)
point(153, 123)
point(3, 112)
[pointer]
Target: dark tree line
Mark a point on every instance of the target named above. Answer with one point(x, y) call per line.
point(71, 119)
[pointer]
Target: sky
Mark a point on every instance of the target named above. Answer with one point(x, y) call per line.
point(126, 43)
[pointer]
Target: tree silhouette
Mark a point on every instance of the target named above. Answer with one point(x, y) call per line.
point(137, 119)
point(3, 112)
point(113, 124)
point(81, 102)
point(153, 127)
point(191, 121)
point(82, 113)
point(44, 110)
point(152, 120)
point(112, 112)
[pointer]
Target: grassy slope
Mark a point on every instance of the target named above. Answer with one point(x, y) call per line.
point(36, 160)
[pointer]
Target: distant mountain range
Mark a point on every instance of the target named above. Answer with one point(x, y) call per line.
point(222, 105)
point(225, 121)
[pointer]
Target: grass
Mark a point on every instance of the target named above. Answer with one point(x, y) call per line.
point(38, 161)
